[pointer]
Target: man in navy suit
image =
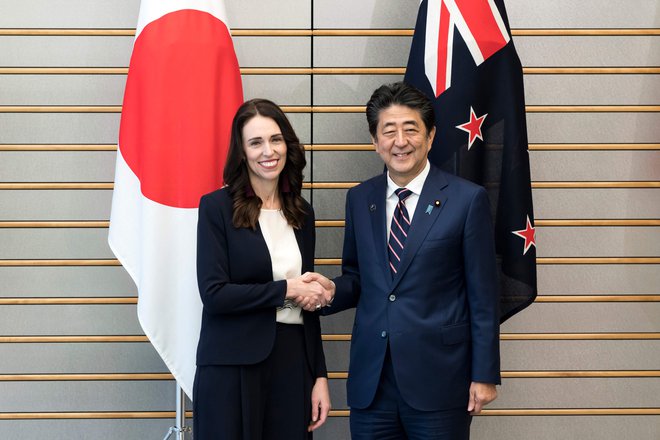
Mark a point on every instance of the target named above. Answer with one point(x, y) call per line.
point(419, 266)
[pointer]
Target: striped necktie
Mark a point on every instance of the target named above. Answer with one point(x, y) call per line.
point(398, 230)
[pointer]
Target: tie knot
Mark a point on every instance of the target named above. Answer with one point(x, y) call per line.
point(402, 193)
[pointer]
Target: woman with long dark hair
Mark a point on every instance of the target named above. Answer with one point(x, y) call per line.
point(260, 366)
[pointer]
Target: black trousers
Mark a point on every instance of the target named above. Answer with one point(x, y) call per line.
point(270, 400)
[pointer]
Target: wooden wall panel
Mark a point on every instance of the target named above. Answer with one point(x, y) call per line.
point(597, 188)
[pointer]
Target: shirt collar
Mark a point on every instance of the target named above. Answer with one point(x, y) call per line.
point(415, 186)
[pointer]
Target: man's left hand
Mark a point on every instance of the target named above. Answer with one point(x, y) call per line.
point(481, 394)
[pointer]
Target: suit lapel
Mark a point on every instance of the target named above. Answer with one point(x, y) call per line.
point(301, 243)
point(377, 208)
point(303, 236)
point(426, 213)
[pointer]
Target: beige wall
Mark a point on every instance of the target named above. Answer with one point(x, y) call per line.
point(598, 243)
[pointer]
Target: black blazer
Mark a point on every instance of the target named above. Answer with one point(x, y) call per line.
point(235, 278)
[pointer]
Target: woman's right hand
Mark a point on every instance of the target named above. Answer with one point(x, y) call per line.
point(320, 403)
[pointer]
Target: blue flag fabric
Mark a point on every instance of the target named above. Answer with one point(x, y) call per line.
point(463, 58)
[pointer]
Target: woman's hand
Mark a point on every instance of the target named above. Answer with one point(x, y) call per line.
point(328, 287)
point(310, 291)
point(320, 403)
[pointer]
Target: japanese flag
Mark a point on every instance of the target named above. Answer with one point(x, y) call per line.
point(183, 88)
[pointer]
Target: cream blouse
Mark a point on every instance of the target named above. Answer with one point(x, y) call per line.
point(285, 257)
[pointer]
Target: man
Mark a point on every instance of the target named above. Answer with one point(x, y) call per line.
point(419, 266)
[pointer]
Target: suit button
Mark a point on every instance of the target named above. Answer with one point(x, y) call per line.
point(383, 334)
point(392, 297)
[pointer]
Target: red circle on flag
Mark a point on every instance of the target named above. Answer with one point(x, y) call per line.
point(182, 91)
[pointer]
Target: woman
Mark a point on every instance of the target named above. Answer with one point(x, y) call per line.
point(260, 366)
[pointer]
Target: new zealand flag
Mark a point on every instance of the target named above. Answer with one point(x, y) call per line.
point(463, 58)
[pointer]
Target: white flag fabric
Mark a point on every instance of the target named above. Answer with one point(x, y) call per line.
point(182, 91)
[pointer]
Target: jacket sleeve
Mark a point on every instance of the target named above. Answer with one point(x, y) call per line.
point(219, 295)
point(320, 369)
point(319, 366)
point(347, 291)
point(482, 290)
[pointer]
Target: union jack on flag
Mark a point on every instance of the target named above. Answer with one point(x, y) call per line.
point(478, 22)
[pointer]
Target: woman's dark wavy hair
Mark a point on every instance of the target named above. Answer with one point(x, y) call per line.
point(246, 203)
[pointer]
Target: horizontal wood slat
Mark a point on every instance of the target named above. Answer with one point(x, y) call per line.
point(592, 147)
point(591, 70)
point(340, 223)
point(626, 336)
point(573, 412)
point(543, 185)
point(70, 339)
point(596, 298)
point(596, 222)
point(579, 336)
point(50, 263)
point(630, 70)
point(70, 32)
point(532, 147)
point(537, 223)
point(58, 147)
point(56, 185)
point(598, 260)
point(339, 147)
point(90, 415)
point(84, 377)
point(105, 32)
point(559, 374)
point(333, 413)
point(67, 301)
point(337, 375)
point(333, 185)
point(541, 261)
point(579, 374)
point(602, 184)
point(334, 261)
point(336, 109)
point(55, 224)
point(544, 336)
point(47, 301)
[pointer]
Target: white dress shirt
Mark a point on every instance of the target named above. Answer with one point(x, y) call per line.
point(391, 199)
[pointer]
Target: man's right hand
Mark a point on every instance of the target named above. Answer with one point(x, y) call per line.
point(327, 284)
point(310, 291)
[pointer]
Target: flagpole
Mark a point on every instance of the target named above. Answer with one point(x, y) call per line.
point(179, 428)
point(180, 413)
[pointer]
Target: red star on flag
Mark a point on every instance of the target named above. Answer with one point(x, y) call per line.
point(529, 234)
point(473, 127)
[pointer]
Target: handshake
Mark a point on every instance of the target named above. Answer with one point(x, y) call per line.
point(310, 291)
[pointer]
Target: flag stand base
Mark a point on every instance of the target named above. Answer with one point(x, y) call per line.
point(179, 429)
point(179, 432)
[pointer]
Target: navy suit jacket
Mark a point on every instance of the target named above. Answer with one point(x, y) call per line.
point(439, 314)
point(240, 298)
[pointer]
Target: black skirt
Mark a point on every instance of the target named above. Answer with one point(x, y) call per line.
point(270, 400)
